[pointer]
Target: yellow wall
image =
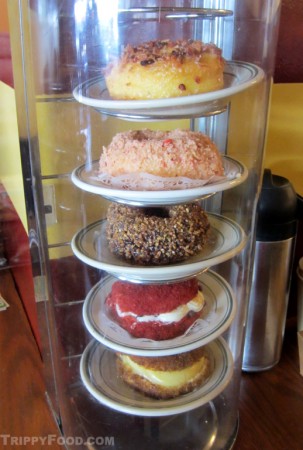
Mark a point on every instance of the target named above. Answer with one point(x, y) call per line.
point(10, 161)
point(284, 148)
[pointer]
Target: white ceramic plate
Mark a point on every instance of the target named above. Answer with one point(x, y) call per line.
point(226, 239)
point(99, 375)
point(217, 314)
point(238, 76)
point(87, 179)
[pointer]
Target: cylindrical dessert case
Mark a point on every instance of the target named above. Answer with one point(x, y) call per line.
point(66, 117)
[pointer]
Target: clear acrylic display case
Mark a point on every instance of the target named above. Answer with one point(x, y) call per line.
point(65, 117)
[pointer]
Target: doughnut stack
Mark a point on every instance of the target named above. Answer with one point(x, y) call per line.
point(157, 236)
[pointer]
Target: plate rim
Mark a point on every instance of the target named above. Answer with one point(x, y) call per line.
point(169, 272)
point(152, 197)
point(157, 104)
point(231, 308)
point(227, 365)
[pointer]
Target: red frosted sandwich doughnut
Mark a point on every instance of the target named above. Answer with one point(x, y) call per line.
point(156, 312)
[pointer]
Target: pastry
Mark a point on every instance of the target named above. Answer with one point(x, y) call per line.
point(165, 69)
point(156, 235)
point(176, 153)
point(165, 377)
point(156, 311)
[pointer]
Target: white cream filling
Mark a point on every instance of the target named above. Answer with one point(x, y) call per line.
point(168, 379)
point(195, 305)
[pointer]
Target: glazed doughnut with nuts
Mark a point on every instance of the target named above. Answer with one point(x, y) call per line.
point(165, 69)
point(156, 235)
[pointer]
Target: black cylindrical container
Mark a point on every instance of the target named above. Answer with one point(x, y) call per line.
point(274, 248)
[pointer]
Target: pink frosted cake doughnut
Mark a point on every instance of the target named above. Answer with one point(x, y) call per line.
point(165, 69)
point(176, 153)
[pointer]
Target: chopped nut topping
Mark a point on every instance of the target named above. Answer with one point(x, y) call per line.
point(170, 235)
point(152, 51)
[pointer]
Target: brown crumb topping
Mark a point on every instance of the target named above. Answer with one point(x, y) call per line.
point(156, 236)
point(162, 50)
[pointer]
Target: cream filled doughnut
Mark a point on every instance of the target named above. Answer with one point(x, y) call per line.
point(166, 376)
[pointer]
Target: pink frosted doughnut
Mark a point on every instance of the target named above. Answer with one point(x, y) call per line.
point(176, 153)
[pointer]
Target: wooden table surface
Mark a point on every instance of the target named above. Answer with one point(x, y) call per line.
point(271, 402)
point(24, 411)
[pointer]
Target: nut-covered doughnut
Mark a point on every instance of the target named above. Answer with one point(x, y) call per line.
point(156, 235)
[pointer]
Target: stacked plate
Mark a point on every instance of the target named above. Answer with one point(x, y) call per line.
point(98, 363)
